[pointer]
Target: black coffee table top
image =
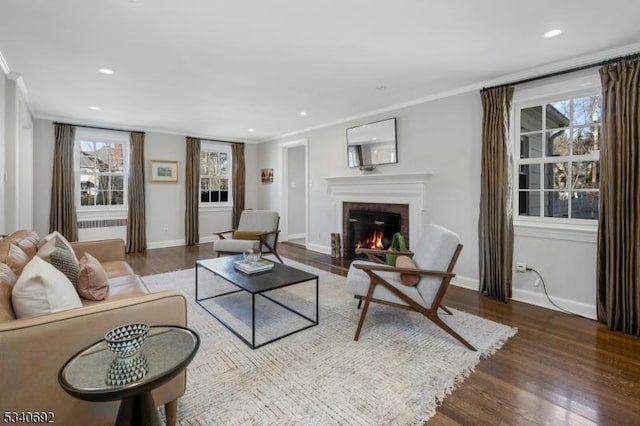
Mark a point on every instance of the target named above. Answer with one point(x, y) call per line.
point(280, 276)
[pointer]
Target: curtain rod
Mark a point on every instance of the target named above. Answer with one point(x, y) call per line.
point(96, 127)
point(567, 71)
point(217, 140)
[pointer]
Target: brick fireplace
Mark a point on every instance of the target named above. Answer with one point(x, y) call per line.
point(363, 222)
point(382, 190)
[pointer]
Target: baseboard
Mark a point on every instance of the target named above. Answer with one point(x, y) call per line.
point(208, 239)
point(319, 248)
point(296, 236)
point(465, 282)
point(164, 244)
point(540, 299)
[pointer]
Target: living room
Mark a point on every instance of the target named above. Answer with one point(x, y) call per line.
point(439, 133)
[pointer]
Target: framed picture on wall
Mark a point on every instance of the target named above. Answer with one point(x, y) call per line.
point(164, 171)
point(266, 175)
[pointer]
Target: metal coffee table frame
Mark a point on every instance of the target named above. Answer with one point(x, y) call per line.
point(257, 285)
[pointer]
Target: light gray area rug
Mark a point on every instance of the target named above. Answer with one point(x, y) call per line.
point(399, 371)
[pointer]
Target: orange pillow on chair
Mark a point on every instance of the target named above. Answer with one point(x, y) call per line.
point(405, 277)
point(246, 235)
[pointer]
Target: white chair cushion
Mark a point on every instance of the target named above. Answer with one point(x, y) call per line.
point(259, 220)
point(358, 284)
point(434, 251)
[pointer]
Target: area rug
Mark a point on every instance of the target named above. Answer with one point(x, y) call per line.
point(399, 371)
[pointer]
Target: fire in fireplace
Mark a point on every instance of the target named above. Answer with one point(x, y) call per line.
point(370, 229)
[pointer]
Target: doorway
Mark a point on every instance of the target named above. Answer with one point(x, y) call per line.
point(294, 218)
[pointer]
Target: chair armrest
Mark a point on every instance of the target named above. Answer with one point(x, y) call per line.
point(220, 234)
point(373, 254)
point(103, 250)
point(384, 268)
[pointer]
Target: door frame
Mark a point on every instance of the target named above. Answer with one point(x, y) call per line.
point(284, 213)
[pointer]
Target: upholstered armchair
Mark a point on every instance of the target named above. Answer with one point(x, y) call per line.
point(257, 229)
point(417, 283)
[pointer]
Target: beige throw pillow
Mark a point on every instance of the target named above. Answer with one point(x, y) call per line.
point(42, 289)
point(93, 283)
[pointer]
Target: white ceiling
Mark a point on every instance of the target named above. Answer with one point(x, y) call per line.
point(214, 68)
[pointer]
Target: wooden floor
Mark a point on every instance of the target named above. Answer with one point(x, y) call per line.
point(559, 369)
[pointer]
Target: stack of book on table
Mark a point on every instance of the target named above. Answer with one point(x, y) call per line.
point(261, 265)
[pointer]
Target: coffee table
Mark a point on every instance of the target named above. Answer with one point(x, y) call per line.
point(257, 284)
point(167, 351)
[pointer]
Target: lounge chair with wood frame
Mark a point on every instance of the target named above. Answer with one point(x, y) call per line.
point(420, 289)
point(257, 229)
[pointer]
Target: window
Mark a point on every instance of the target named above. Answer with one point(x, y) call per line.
point(557, 158)
point(215, 177)
point(102, 164)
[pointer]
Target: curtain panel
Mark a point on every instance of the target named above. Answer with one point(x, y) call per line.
point(495, 225)
point(62, 215)
point(618, 262)
point(239, 182)
point(192, 188)
point(136, 228)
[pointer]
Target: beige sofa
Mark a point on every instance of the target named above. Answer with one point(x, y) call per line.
point(32, 350)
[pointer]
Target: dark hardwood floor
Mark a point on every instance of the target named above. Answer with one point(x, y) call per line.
point(559, 369)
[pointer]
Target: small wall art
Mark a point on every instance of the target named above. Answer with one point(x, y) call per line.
point(266, 175)
point(164, 171)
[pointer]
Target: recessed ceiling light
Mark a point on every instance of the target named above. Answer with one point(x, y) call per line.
point(252, 130)
point(303, 112)
point(381, 87)
point(94, 108)
point(106, 71)
point(552, 33)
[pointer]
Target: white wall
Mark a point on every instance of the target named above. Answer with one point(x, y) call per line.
point(17, 162)
point(164, 202)
point(3, 153)
point(443, 137)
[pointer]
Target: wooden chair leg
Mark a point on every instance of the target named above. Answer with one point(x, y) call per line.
point(444, 308)
point(275, 253)
point(437, 321)
point(367, 301)
point(171, 412)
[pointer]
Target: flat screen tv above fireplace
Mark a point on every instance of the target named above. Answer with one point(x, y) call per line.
point(372, 144)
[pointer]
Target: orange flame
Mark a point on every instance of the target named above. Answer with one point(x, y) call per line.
point(374, 241)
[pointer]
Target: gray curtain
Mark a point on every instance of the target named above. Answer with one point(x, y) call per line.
point(239, 182)
point(495, 226)
point(192, 188)
point(62, 215)
point(136, 228)
point(619, 225)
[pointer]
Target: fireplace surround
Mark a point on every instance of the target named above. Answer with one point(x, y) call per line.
point(409, 189)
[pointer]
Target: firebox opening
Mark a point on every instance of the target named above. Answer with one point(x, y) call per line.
point(371, 229)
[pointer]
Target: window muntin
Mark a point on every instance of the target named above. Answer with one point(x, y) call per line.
point(101, 170)
point(215, 176)
point(558, 159)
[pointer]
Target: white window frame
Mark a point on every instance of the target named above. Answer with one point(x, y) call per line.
point(101, 212)
point(563, 88)
point(209, 146)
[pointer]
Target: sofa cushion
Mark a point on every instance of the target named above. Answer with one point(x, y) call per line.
point(93, 283)
point(29, 244)
point(7, 280)
point(42, 289)
point(59, 255)
point(15, 258)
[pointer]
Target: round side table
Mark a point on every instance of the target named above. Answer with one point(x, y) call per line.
point(166, 352)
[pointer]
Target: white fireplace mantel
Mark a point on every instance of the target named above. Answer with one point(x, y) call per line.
point(401, 188)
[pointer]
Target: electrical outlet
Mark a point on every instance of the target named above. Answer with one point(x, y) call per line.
point(521, 267)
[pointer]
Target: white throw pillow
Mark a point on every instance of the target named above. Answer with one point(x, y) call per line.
point(42, 289)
